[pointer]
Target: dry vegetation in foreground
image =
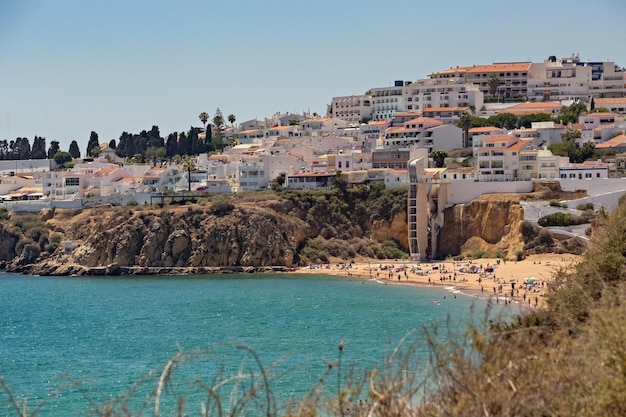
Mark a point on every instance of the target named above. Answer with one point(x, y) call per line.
point(568, 359)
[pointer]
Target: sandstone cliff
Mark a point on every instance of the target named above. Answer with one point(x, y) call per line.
point(489, 225)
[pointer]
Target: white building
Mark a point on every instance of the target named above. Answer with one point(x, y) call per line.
point(425, 132)
point(498, 158)
point(586, 170)
point(352, 109)
point(388, 100)
point(442, 92)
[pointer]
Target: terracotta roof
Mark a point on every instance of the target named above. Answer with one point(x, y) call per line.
point(517, 145)
point(601, 114)
point(538, 105)
point(618, 100)
point(498, 67)
point(127, 179)
point(498, 138)
point(396, 129)
point(452, 70)
point(445, 109)
point(424, 120)
point(407, 114)
point(104, 171)
point(485, 129)
point(533, 108)
point(219, 157)
point(616, 142)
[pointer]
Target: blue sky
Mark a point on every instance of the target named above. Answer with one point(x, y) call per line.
point(70, 67)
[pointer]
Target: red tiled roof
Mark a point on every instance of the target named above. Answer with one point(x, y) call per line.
point(616, 142)
point(498, 67)
point(445, 109)
point(485, 129)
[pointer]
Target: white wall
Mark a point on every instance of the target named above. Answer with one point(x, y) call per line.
point(465, 191)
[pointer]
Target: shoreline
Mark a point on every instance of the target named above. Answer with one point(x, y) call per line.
point(522, 283)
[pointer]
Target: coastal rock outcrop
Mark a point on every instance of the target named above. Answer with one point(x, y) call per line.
point(490, 224)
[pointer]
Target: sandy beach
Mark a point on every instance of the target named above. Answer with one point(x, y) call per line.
point(520, 282)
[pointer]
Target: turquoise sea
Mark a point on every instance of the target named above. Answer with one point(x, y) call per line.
point(100, 335)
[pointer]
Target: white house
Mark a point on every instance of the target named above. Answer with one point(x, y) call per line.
point(585, 170)
point(443, 92)
point(388, 100)
point(352, 109)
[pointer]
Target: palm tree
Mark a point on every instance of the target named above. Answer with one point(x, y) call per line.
point(204, 117)
point(231, 119)
point(493, 83)
point(189, 165)
point(465, 121)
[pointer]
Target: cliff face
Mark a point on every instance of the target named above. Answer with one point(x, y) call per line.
point(251, 236)
point(248, 235)
point(273, 232)
point(485, 225)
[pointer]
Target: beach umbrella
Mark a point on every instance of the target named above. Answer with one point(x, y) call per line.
point(530, 280)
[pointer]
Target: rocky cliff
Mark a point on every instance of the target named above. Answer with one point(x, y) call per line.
point(280, 231)
point(191, 237)
point(234, 236)
point(489, 225)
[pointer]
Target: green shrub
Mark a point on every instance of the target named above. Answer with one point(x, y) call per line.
point(585, 206)
point(557, 203)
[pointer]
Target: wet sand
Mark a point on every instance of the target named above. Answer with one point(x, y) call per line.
point(506, 283)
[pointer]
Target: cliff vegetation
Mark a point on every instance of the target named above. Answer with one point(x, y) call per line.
point(256, 230)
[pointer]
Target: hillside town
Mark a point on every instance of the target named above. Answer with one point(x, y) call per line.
point(409, 134)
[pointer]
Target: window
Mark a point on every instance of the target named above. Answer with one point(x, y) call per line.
point(72, 182)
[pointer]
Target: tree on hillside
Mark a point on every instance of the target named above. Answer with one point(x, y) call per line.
point(171, 145)
point(218, 121)
point(92, 144)
point(74, 151)
point(39, 148)
point(465, 121)
point(112, 144)
point(503, 120)
point(571, 135)
point(61, 158)
point(54, 148)
point(21, 148)
point(570, 114)
point(189, 165)
point(231, 119)
point(204, 117)
point(183, 144)
point(493, 82)
point(569, 147)
point(439, 157)
point(218, 126)
point(527, 120)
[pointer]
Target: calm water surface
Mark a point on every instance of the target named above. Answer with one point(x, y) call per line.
point(110, 332)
